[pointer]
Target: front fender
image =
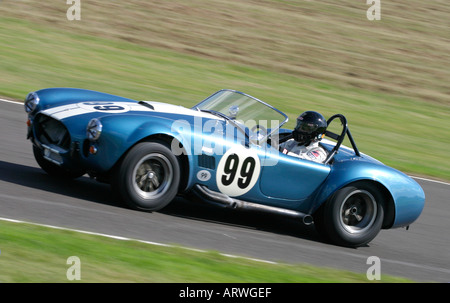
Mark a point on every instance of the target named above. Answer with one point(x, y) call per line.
point(120, 134)
point(407, 195)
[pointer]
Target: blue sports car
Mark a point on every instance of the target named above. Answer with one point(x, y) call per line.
point(226, 150)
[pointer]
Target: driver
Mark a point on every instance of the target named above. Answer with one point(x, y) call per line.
point(310, 129)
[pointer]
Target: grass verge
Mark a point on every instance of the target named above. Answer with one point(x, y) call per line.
point(393, 129)
point(388, 78)
point(38, 254)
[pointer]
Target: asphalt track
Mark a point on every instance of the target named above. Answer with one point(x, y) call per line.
point(421, 253)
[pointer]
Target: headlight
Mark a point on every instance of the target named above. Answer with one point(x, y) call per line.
point(31, 102)
point(94, 129)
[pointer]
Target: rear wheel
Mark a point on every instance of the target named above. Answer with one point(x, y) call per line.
point(149, 176)
point(353, 216)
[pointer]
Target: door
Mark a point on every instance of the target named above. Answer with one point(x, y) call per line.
point(288, 177)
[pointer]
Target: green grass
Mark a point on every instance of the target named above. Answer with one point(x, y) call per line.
point(36, 254)
point(389, 77)
point(406, 133)
point(406, 53)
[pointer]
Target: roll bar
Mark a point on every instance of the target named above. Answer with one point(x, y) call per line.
point(340, 138)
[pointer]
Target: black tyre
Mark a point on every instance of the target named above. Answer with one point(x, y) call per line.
point(353, 216)
point(53, 169)
point(148, 177)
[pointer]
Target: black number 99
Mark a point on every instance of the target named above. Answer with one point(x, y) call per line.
point(231, 167)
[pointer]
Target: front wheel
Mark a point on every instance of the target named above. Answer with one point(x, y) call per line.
point(149, 176)
point(353, 216)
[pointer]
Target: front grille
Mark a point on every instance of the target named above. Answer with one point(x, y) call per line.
point(50, 131)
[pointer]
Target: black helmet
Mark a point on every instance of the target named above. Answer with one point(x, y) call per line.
point(310, 127)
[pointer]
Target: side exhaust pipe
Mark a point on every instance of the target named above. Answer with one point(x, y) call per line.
point(229, 202)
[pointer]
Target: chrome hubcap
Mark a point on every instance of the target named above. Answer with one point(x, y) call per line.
point(152, 176)
point(358, 211)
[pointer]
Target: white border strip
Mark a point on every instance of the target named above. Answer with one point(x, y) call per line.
point(11, 101)
point(430, 180)
point(130, 239)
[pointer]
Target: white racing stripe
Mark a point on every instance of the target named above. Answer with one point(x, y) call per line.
point(71, 110)
point(77, 109)
point(115, 107)
point(65, 111)
point(181, 110)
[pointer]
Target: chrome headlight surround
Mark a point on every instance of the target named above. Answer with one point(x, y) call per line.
point(94, 129)
point(31, 102)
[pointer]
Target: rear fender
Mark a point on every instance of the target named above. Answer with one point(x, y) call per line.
point(406, 195)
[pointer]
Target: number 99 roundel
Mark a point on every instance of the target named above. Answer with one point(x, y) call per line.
point(238, 171)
